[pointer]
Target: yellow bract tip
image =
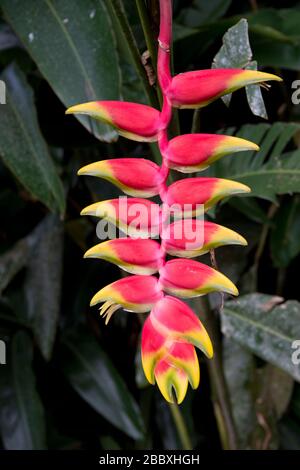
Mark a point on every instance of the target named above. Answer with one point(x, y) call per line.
point(232, 187)
point(250, 77)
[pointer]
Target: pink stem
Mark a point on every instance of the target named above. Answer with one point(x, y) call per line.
point(164, 78)
point(165, 32)
point(165, 42)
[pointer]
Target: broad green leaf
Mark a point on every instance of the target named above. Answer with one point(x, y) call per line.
point(285, 235)
point(236, 49)
point(257, 395)
point(22, 421)
point(43, 282)
point(270, 171)
point(239, 368)
point(22, 146)
point(95, 379)
point(267, 330)
point(273, 393)
point(236, 53)
point(280, 388)
point(73, 46)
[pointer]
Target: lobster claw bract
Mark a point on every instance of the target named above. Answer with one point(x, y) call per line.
point(136, 177)
point(134, 216)
point(136, 256)
point(195, 152)
point(189, 238)
point(192, 195)
point(133, 293)
point(132, 120)
point(199, 88)
point(188, 278)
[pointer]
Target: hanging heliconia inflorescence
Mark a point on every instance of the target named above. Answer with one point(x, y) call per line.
point(172, 330)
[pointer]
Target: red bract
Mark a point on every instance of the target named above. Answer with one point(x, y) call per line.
point(135, 216)
point(192, 237)
point(187, 278)
point(172, 330)
point(137, 256)
point(195, 152)
point(199, 88)
point(192, 195)
point(134, 176)
point(131, 120)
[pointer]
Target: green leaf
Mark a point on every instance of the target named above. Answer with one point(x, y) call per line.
point(12, 261)
point(21, 413)
point(239, 368)
point(236, 50)
point(95, 379)
point(273, 393)
point(270, 171)
point(22, 146)
point(236, 53)
point(203, 12)
point(275, 37)
point(269, 331)
point(254, 96)
point(73, 46)
point(259, 396)
point(43, 282)
point(285, 235)
point(280, 388)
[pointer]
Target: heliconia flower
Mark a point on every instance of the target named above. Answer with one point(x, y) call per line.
point(132, 293)
point(192, 237)
point(168, 356)
point(172, 330)
point(135, 216)
point(176, 321)
point(158, 346)
point(195, 152)
point(134, 176)
point(136, 256)
point(133, 121)
point(199, 88)
point(188, 278)
point(192, 193)
point(170, 363)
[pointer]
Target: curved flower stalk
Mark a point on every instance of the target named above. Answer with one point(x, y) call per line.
point(172, 331)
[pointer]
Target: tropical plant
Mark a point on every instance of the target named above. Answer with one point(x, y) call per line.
point(68, 381)
point(172, 329)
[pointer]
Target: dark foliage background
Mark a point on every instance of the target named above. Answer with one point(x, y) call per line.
point(70, 382)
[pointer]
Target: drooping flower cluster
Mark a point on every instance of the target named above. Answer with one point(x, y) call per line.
point(172, 330)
